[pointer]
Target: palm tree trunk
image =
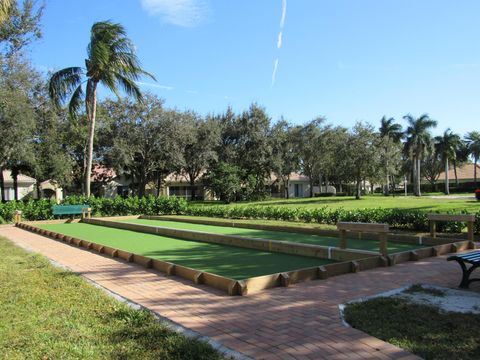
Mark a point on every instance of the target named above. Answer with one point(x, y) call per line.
point(455, 172)
point(91, 105)
point(419, 177)
point(414, 179)
point(475, 170)
point(447, 185)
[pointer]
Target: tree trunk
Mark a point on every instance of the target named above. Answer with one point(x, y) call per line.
point(159, 183)
point(358, 192)
point(192, 187)
point(311, 187)
point(320, 183)
point(2, 185)
point(91, 107)
point(15, 184)
point(287, 188)
point(447, 185)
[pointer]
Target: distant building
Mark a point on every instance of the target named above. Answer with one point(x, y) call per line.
point(465, 173)
point(25, 186)
point(110, 184)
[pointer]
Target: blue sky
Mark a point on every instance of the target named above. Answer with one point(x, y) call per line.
point(347, 60)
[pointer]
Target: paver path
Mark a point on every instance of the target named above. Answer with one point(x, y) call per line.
point(300, 322)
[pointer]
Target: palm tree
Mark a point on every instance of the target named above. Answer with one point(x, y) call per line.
point(418, 139)
point(447, 146)
point(390, 133)
point(473, 140)
point(112, 62)
point(5, 6)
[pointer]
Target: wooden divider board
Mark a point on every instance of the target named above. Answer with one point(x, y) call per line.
point(468, 218)
point(381, 229)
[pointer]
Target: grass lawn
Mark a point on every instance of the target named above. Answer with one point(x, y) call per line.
point(232, 262)
point(420, 329)
point(363, 244)
point(49, 313)
point(372, 201)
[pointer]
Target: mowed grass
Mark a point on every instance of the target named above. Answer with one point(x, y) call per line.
point(426, 203)
point(49, 313)
point(232, 262)
point(358, 244)
point(422, 330)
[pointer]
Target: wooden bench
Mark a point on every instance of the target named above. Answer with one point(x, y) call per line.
point(84, 210)
point(469, 219)
point(472, 258)
point(381, 229)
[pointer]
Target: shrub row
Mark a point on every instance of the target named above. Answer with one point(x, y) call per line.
point(42, 209)
point(150, 205)
point(396, 218)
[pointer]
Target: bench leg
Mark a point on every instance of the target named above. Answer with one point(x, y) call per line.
point(465, 283)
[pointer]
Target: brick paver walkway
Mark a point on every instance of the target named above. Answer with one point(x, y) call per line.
point(300, 322)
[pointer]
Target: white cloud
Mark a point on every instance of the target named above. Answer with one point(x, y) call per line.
point(158, 86)
point(185, 13)
point(274, 74)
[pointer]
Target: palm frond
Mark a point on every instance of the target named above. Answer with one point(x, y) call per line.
point(76, 102)
point(63, 82)
point(129, 86)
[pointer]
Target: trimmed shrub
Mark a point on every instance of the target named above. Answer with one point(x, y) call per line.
point(397, 218)
point(149, 205)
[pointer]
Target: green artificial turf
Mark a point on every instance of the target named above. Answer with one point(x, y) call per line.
point(232, 262)
point(359, 244)
point(50, 313)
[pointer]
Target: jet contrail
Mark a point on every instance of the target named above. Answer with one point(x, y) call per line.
point(274, 74)
point(284, 13)
point(280, 39)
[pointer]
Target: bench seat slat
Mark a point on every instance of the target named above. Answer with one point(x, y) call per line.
point(69, 209)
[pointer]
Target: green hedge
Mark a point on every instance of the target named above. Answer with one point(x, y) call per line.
point(396, 218)
point(149, 205)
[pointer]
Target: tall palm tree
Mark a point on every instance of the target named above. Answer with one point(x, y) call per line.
point(418, 139)
point(473, 140)
point(5, 6)
point(112, 62)
point(447, 146)
point(390, 133)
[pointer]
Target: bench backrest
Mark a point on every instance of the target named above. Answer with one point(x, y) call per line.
point(69, 209)
point(363, 227)
point(451, 217)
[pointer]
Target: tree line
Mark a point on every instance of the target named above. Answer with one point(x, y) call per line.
point(234, 154)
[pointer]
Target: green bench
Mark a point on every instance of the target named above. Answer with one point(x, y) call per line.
point(83, 210)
